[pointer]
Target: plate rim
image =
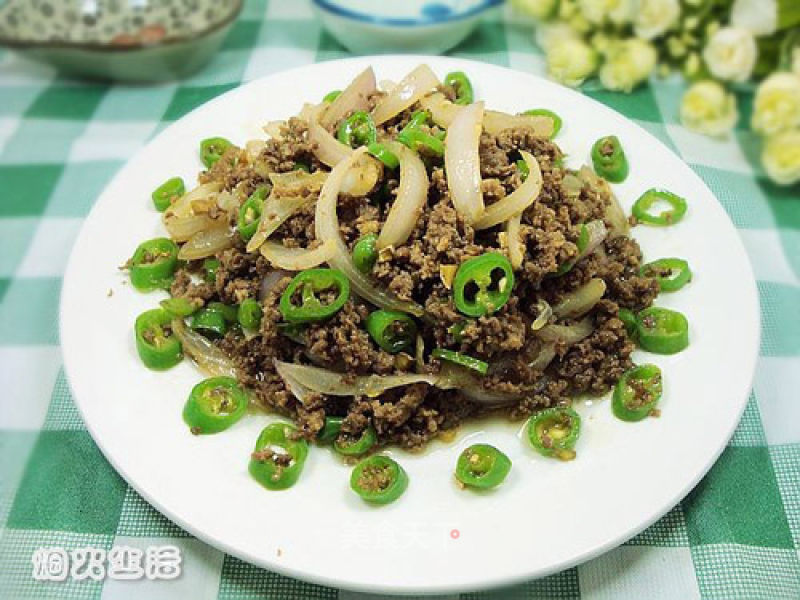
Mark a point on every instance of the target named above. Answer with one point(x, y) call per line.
point(749, 291)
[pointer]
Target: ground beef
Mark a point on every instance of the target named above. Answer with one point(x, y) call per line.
point(421, 271)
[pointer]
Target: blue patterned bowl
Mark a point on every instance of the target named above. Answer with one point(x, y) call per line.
point(420, 26)
point(127, 40)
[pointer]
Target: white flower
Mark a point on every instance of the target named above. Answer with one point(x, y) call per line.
point(628, 63)
point(781, 157)
point(618, 12)
point(759, 16)
point(547, 34)
point(570, 61)
point(652, 18)
point(707, 108)
point(777, 104)
point(538, 9)
point(731, 54)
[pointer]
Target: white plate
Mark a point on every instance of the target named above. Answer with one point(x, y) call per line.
point(548, 515)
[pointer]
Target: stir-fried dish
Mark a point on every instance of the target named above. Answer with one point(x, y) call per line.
point(392, 262)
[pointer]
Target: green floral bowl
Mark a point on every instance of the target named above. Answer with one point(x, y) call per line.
point(122, 40)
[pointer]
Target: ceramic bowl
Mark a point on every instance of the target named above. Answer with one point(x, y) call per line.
point(124, 40)
point(419, 26)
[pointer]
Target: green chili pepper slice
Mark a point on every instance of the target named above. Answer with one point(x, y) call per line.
point(250, 213)
point(641, 208)
point(229, 313)
point(301, 166)
point(307, 285)
point(180, 307)
point(457, 330)
point(249, 313)
point(418, 119)
point(523, 168)
point(158, 348)
point(332, 95)
point(543, 112)
point(350, 446)
point(482, 466)
point(358, 130)
point(637, 392)
point(212, 149)
point(554, 431)
point(210, 322)
point(671, 273)
point(421, 142)
point(459, 81)
point(330, 430)
point(153, 264)
point(210, 266)
point(628, 319)
point(277, 461)
point(214, 404)
point(364, 253)
point(662, 331)
point(392, 330)
point(378, 480)
point(483, 284)
point(463, 360)
point(383, 154)
point(169, 191)
point(609, 159)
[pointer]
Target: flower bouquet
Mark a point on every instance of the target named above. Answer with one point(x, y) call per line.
point(717, 45)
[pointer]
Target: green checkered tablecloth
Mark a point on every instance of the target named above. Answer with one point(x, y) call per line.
point(736, 535)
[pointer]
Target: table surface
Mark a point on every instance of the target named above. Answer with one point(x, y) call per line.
point(736, 535)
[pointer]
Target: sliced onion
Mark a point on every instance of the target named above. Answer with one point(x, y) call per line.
point(582, 300)
point(183, 205)
point(326, 148)
point(411, 196)
point(411, 88)
point(619, 225)
point(207, 243)
point(189, 214)
point(326, 223)
point(546, 355)
point(184, 228)
point(332, 383)
point(297, 259)
point(516, 249)
point(494, 122)
point(275, 212)
point(480, 395)
point(297, 183)
point(572, 185)
point(269, 282)
point(462, 162)
point(299, 391)
point(254, 148)
point(618, 222)
point(597, 233)
point(544, 314)
point(443, 112)
point(274, 129)
point(518, 200)
point(569, 334)
point(362, 178)
point(353, 97)
point(208, 357)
